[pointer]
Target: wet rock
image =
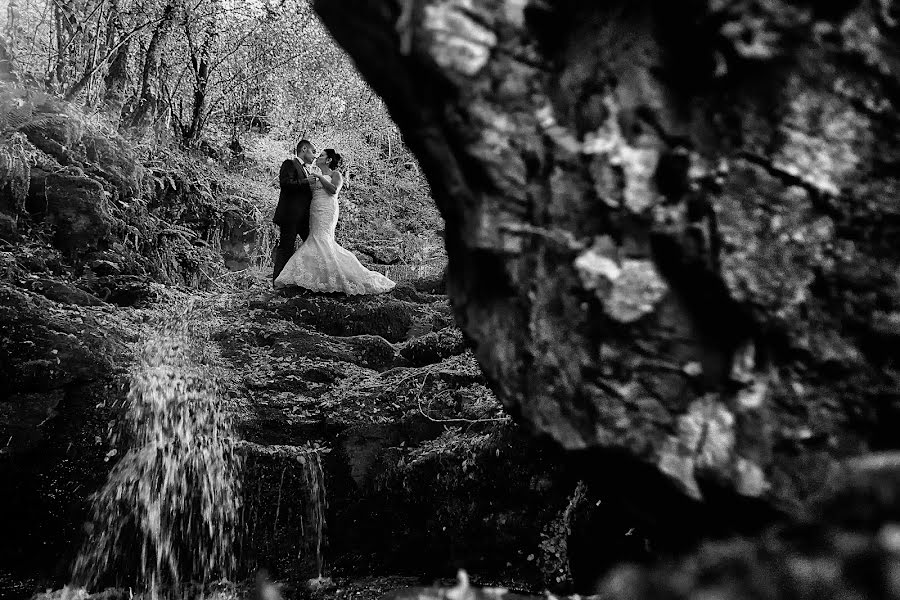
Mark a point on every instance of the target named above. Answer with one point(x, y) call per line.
point(283, 492)
point(372, 351)
point(42, 352)
point(862, 493)
point(8, 230)
point(64, 293)
point(60, 390)
point(407, 291)
point(476, 402)
point(477, 499)
point(361, 446)
point(364, 396)
point(23, 415)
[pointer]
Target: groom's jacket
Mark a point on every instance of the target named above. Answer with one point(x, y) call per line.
point(295, 196)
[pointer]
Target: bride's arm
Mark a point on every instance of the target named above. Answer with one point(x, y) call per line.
point(328, 186)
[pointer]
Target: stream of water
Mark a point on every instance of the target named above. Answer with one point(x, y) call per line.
point(169, 510)
point(314, 524)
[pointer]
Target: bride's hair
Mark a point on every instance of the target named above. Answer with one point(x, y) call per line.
point(335, 160)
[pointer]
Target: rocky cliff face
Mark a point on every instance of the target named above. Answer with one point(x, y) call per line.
point(669, 228)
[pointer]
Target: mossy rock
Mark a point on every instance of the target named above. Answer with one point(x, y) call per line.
point(72, 203)
point(42, 353)
point(8, 230)
point(388, 318)
point(402, 391)
point(64, 293)
point(122, 290)
point(433, 347)
point(478, 499)
point(55, 134)
point(61, 389)
point(110, 159)
point(369, 351)
point(435, 284)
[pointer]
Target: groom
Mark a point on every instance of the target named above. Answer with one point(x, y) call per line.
point(292, 212)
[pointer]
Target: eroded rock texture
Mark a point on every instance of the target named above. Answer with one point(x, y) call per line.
point(672, 227)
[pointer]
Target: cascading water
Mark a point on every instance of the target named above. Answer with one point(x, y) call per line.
point(169, 510)
point(314, 526)
point(285, 509)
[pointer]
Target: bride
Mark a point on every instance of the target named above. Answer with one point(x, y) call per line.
point(320, 264)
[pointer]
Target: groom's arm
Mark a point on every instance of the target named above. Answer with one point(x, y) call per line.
point(289, 179)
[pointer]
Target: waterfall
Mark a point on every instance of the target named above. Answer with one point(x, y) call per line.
point(285, 508)
point(168, 512)
point(314, 525)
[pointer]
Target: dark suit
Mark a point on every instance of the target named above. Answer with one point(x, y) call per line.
point(292, 212)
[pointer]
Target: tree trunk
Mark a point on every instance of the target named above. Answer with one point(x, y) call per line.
point(65, 28)
point(116, 80)
point(198, 107)
point(147, 100)
point(672, 227)
point(6, 63)
point(201, 65)
point(8, 42)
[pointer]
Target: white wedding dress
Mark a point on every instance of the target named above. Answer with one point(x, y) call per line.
point(320, 264)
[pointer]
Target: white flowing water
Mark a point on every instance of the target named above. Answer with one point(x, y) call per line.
point(168, 514)
point(314, 525)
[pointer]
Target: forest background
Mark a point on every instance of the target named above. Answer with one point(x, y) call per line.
point(214, 94)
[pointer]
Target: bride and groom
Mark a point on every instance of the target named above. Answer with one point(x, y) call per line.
point(308, 208)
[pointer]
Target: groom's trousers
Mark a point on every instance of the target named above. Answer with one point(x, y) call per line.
point(287, 242)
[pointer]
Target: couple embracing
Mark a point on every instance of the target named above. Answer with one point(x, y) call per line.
point(308, 208)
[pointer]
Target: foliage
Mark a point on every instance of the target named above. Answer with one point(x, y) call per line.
point(553, 558)
point(264, 65)
point(15, 169)
point(240, 82)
